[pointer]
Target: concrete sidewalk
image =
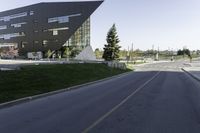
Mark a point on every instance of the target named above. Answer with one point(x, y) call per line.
point(16, 64)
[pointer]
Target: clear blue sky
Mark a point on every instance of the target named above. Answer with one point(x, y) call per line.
point(163, 23)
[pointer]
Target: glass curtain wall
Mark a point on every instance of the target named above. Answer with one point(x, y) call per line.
point(78, 41)
point(81, 37)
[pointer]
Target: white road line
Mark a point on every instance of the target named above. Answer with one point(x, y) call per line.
point(119, 105)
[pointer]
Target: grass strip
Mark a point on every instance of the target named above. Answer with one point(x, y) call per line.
point(38, 79)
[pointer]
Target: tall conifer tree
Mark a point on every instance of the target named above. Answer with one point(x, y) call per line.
point(112, 49)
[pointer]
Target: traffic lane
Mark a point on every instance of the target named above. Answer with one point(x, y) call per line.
point(71, 111)
point(165, 65)
point(168, 104)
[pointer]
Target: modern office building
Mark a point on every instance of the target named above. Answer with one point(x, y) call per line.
point(45, 26)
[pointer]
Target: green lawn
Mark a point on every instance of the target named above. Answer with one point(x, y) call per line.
point(32, 80)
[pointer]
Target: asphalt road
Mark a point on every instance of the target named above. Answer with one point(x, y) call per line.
point(153, 101)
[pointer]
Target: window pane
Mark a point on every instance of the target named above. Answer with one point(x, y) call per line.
point(55, 32)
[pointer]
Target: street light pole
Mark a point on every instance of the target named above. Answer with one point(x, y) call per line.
point(132, 52)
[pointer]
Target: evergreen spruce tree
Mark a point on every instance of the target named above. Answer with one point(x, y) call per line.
point(112, 49)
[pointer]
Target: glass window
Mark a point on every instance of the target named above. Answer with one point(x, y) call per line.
point(75, 15)
point(55, 32)
point(58, 29)
point(19, 15)
point(45, 30)
point(3, 27)
point(45, 42)
point(62, 19)
point(1, 36)
point(35, 42)
point(14, 45)
point(8, 36)
point(31, 13)
point(35, 21)
point(51, 20)
point(8, 18)
point(23, 44)
point(17, 25)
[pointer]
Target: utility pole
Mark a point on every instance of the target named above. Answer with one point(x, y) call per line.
point(128, 55)
point(153, 52)
point(172, 54)
point(157, 55)
point(132, 53)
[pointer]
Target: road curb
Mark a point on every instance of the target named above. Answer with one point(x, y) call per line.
point(192, 75)
point(30, 98)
